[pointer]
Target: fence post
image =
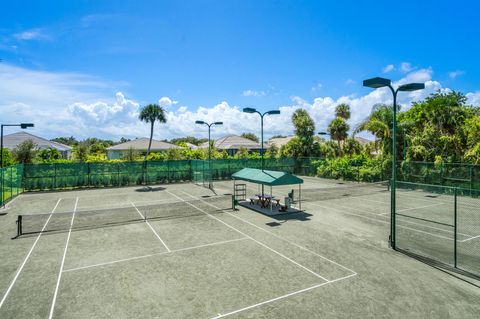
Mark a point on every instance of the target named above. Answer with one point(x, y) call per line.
point(455, 228)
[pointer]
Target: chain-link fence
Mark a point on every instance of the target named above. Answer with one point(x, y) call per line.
point(439, 223)
point(446, 174)
point(10, 182)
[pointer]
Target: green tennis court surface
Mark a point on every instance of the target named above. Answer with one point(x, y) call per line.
point(178, 251)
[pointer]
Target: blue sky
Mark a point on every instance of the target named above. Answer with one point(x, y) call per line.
point(85, 67)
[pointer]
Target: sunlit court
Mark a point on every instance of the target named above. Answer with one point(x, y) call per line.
point(180, 250)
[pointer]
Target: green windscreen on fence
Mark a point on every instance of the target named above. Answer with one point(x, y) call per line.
point(439, 223)
point(79, 175)
point(10, 182)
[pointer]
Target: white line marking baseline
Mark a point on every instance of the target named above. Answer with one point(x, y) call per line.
point(63, 262)
point(281, 297)
point(28, 256)
point(156, 254)
point(153, 230)
point(260, 243)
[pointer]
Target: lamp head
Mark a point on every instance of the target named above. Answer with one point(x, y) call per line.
point(218, 123)
point(322, 133)
point(273, 112)
point(25, 125)
point(411, 87)
point(249, 110)
point(199, 122)
point(376, 83)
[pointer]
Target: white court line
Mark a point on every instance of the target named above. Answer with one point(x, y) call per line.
point(382, 221)
point(28, 256)
point(279, 237)
point(153, 230)
point(413, 208)
point(242, 233)
point(462, 241)
point(156, 254)
point(281, 297)
point(63, 262)
point(7, 205)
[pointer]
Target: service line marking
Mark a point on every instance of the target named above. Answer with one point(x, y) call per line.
point(260, 243)
point(156, 254)
point(279, 237)
point(153, 230)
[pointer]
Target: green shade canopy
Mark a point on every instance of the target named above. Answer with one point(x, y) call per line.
point(269, 178)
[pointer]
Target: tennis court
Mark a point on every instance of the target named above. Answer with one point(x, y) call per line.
point(179, 251)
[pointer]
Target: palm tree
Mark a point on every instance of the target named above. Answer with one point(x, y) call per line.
point(338, 130)
point(379, 123)
point(343, 110)
point(150, 114)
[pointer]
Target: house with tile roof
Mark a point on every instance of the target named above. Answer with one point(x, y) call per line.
point(140, 145)
point(11, 141)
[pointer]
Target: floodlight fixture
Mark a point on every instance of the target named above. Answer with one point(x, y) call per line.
point(411, 87)
point(25, 125)
point(249, 110)
point(377, 82)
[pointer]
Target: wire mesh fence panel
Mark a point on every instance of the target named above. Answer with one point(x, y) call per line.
point(448, 174)
point(425, 221)
point(357, 190)
point(468, 226)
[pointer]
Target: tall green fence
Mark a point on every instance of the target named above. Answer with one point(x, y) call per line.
point(10, 182)
point(84, 175)
point(440, 224)
point(79, 175)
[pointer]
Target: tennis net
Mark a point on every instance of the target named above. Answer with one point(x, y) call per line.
point(113, 216)
point(326, 193)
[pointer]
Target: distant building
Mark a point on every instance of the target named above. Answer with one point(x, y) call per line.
point(362, 141)
point(279, 141)
point(232, 143)
point(11, 141)
point(140, 145)
point(191, 146)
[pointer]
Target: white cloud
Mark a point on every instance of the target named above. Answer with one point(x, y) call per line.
point(33, 34)
point(406, 67)
point(455, 74)
point(473, 98)
point(349, 82)
point(388, 68)
point(254, 93)
point(165, 101)
point(74, 104)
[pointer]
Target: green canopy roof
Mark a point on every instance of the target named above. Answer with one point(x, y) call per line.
point(270, 178)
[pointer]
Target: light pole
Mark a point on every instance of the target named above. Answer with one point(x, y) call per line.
point(209, 126)
point(376, 83)
point(252, 110)
point(272, 112)
point(23, 126)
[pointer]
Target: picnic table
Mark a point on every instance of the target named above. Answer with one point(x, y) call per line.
point(266, 199)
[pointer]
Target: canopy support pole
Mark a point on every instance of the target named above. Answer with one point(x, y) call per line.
point(271, 198)
point(300, 196)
